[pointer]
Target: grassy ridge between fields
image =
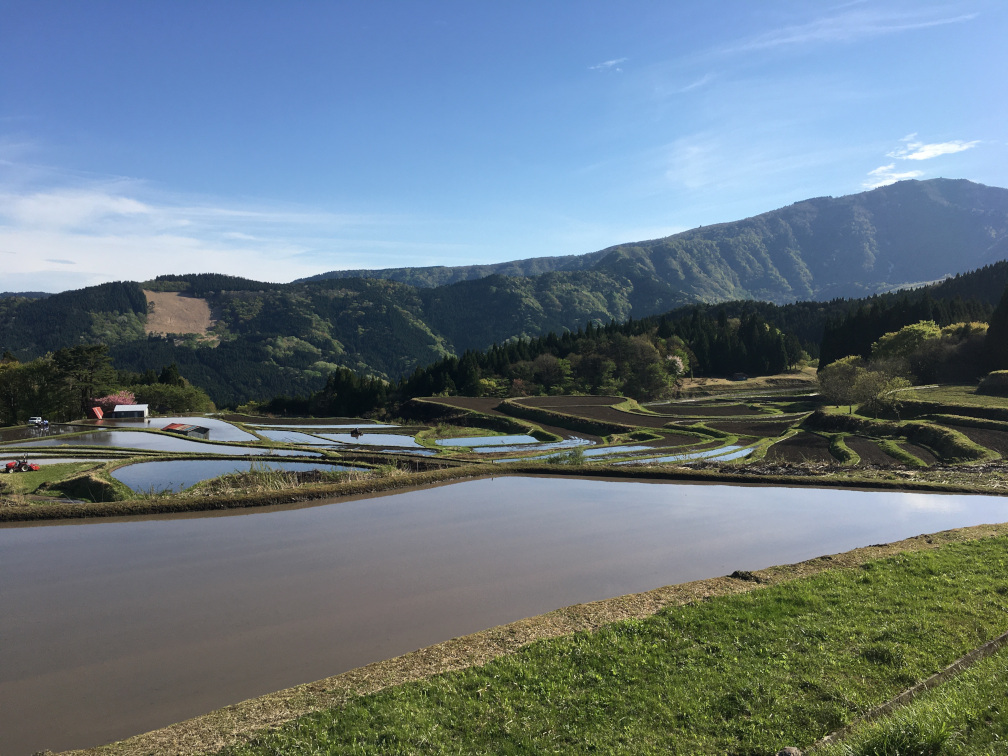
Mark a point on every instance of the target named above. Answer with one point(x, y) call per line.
point(742, 665)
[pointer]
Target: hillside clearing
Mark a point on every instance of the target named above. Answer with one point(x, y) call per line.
point(174, 312)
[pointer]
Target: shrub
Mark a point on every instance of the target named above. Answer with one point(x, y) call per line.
point(995, 384)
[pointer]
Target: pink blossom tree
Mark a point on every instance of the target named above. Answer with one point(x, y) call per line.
point(108, 403)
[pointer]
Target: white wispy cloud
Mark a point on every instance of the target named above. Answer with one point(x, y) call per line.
point(69, 208)
point(717, 160)
point(83, 232)
point(609, 65)
point(915, 150)
point(852, 24)
point(887, 174)
point(697, 84)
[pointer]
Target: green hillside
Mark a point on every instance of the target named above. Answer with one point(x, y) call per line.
point(861, 244)
point(272, 339)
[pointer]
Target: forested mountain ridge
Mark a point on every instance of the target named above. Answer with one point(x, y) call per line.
point(272, 339)
point(857, 245)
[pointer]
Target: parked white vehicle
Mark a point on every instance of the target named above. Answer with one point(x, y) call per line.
point(35, 421)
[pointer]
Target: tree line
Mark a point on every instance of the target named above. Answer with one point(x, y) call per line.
point(645, 358)
point(62, 385)
point(924, 351)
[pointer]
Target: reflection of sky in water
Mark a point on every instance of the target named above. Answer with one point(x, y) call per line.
point(912, 502)
point(568, 443)
point(157, 442)
point(374, 439)
point(602, 452)
point(31, 431)
point(362, 426)
point(486, 440)
point(722, 454)
point(174, 475)
point(606, 451)
point(292, 437)
point(476, 554)
point(219, 430)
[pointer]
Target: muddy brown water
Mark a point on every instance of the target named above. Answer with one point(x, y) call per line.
point(113, 628)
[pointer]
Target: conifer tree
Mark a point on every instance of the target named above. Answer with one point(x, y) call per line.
point(996, 343)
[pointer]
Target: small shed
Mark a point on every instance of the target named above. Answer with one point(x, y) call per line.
point(184, 429)
point(131, 410)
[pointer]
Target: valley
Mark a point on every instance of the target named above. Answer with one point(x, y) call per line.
point(640, 446)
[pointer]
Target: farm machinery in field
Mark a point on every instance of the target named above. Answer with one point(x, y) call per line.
point(21, 465)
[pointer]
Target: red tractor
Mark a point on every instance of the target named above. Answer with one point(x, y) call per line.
point(22, 465)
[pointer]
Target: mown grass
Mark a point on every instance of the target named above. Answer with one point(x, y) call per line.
point(841, 452)
point(29, 482)
point(958, 394)
point(897, 452)
point(744, 674)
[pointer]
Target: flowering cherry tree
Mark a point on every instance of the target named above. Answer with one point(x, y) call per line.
point(108, 403)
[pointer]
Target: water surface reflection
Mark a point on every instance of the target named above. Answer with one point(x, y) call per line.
point(176, 475)
point(114, 628)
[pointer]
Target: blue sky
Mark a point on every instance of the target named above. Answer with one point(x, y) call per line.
point(276, 140)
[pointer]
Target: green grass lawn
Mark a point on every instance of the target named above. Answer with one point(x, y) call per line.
point(28, 482)
point(954, 394)
point(966, 715)
point(744, 674)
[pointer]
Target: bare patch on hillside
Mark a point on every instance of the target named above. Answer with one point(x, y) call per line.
point(174, 312)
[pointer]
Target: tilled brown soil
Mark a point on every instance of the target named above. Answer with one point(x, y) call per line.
point(992, 439)
point(686, 409)
point(488, 406)
point(566, 402)
point(755, 428)
point(608, 414)
point(869, 451)
point(804, 447)
point(709, 410)
point(478, 403)
point(924, 455)
point(601, 408)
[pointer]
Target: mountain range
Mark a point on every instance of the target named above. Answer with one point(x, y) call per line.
point(817, 249)
point(285, 338)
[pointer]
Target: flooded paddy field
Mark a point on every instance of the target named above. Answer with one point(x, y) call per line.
point(152, 442)
point(511, 440)
point(292, 437)
point(176, 475)
point(112, 628)
point(386, 440)
point(30, 432)
point(220, 430)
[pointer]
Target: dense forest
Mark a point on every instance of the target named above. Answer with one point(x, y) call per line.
point(288, 339)
point(64, 384)
point(646, 358)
